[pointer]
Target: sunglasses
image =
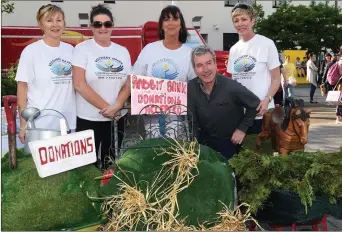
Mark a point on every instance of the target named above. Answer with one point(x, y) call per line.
point(240, 6)
point(98, 24)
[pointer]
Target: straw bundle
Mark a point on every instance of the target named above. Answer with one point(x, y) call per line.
point(154, 204)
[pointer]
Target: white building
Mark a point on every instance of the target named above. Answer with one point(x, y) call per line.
point(213, 17)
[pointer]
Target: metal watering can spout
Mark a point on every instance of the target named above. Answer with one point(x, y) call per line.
point(29, 114)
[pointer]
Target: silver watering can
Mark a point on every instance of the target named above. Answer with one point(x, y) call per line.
point(33, 133)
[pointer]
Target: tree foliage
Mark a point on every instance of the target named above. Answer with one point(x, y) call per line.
point(259, 12)
point(303, 173)
point(7, 7)
point(315, 27)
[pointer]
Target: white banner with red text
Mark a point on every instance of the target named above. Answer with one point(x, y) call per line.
point(63, 153)
point(151, 95)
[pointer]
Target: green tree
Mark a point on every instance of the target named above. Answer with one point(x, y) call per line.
point(7, 7)
point(259, 13)
point(315, 27)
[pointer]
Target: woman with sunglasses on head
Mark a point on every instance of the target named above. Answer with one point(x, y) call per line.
point(254, 62)
point(169, 58)
point(44, 74)
point(100, 71)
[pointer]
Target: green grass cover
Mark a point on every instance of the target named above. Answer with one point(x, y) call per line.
point(52, 203)
point(198, 203)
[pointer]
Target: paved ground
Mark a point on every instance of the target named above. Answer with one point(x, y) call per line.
point(324, 133)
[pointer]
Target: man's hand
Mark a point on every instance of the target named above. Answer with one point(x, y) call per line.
point(238, 136)
point(110, 111)
point(263, 107)
point(22, 134)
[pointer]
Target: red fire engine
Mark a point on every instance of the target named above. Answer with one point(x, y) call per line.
point(15, 39)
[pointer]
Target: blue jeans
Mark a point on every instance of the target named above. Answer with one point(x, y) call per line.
point(312, 91)
point(289, 91)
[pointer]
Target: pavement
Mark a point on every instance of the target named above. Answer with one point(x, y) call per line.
point(324, 133)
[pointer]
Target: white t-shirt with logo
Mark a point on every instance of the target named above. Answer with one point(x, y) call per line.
point(250, 63)
point(155, 60)
point(48, 73)
point(106, 70)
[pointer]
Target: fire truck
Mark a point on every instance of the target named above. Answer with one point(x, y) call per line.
point(15, 39)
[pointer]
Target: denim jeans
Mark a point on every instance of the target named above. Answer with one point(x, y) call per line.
point(312, 91)
point(289, 91)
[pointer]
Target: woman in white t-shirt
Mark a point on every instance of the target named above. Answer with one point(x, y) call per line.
point(100, 70)
point(44, 74)
point(169, 58)
point(253, 61)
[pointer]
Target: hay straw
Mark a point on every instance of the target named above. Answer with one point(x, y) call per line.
point(158, 208)
point(232, 220)
point(184, 159)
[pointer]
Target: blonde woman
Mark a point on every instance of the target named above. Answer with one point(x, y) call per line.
point(254, 62)
point(44, 73)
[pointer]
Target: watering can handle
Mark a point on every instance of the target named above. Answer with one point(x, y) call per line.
point(38, 112)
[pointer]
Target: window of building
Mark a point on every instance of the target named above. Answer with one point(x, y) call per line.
point(205, 37)
point(231, 3)
point(229, 39)
point(83, 16)
point(277, 3)
point(83, 19)
point(109, 2)
point(196, 22)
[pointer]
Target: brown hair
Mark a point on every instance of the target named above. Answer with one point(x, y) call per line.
point(48, 10)
point(341, 50)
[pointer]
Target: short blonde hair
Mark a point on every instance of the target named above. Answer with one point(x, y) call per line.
point(243, 9)
point(48, 10)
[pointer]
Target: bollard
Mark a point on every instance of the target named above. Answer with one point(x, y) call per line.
point(10, 105)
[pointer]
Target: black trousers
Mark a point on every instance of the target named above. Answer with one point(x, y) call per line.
point(102, 134)
point(312, 91)
point(222, 145)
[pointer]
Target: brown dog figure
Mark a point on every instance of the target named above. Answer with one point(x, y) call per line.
point(288, 127)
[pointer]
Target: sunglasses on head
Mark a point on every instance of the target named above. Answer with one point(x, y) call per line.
point(98, 24)
point(240, 6)
point(48, 5)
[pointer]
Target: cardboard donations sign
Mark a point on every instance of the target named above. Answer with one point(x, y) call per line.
point(154, 95)
point(63, 153)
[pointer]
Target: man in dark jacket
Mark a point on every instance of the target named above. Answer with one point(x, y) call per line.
point(221, 109)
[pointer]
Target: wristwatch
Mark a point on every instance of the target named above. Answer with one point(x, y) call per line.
point(270, 98)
